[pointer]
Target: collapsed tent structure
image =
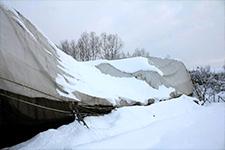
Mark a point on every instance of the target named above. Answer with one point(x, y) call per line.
point(42, 87)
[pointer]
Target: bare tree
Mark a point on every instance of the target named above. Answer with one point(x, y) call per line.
point(140, 52)
point(110, 46)
point(122, 55)
point(91, 46)
point(115, 45)
point(95, 44)
point(204, 82)
point(83, 47)
point(75, 51)
point(104, 46)
point(128, 55)
point(65, 46)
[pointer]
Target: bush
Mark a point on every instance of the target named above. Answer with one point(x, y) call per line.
point(207, 84)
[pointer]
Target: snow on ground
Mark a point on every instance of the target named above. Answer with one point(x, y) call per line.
point(88, 79)
point(175, 124)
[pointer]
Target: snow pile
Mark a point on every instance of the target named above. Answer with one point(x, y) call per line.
point(86, 78)
point(176, 124)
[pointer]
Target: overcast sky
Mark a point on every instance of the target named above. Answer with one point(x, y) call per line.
point(191, 31)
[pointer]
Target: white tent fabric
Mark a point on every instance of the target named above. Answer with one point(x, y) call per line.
point(25, 56)
point(172, 73)
point(29, 59)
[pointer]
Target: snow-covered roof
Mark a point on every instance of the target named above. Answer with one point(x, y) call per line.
point(88, 79)
point(31, 59)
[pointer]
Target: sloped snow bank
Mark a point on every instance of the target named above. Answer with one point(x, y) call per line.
point(87, 79)
point(176, 124)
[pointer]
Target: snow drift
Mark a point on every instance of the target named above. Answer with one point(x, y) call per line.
point(175, 124)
